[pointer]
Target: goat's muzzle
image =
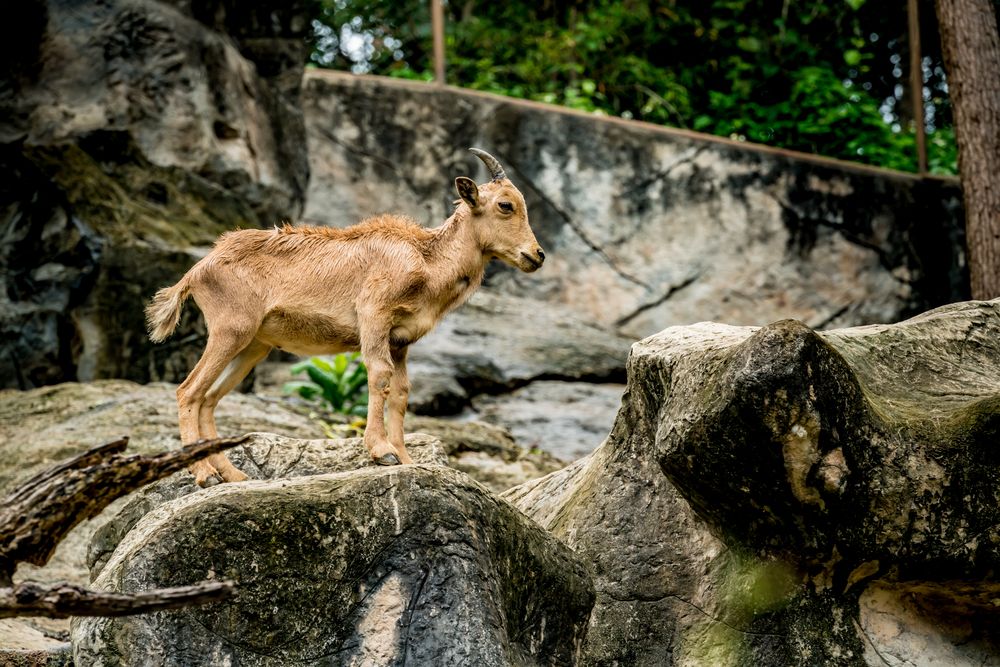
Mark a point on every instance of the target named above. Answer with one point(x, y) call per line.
point(534, 262)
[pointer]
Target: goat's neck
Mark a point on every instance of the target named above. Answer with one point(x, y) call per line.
point(457, 253)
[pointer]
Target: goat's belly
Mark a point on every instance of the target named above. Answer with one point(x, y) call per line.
point(307, 333)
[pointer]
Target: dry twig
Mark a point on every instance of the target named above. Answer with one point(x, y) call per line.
point(36, 515)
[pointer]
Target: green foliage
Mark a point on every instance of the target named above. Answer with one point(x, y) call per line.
point(822, 76)
point(340, 383)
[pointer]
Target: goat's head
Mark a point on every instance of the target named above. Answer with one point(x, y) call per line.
point(500, 216)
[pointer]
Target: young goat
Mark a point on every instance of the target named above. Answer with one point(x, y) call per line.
point(377, 286)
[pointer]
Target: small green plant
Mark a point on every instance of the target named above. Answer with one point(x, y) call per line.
point(339, 382)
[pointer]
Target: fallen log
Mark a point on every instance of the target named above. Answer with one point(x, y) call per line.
point(38, 514)
point(61, 600)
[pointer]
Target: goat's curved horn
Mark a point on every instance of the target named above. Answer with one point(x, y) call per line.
point(496, 171)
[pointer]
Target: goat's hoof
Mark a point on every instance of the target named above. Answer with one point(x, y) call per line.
point(210, 481)
point(387, 460)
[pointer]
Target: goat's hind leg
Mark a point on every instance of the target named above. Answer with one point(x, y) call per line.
point(235, 371)
point(221, 348)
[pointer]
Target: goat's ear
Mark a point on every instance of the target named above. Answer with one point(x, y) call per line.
point(468, 191)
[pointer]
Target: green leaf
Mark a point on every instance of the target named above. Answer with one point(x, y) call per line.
point(852, 57)
point(750, 44)
point(300, 367)
point(340, 364)
point(331, 390)
point(306, 390)
point(322, 364)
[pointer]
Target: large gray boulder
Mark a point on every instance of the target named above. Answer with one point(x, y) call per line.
point(266, 456)
point(42, 426)
point(384, 566)
point(778, 496)
point(131, 134)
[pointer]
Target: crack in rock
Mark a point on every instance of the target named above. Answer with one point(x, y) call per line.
point(625, 319)
point(579, 232)
point(687, 157)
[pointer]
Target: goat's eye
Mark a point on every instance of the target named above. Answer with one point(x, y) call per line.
point(506, 207)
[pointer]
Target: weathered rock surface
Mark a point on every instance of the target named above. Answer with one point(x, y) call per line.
point(829, 498)
point(568, 419)
point(266, 457)
point(45, 425)
point(42, 426)
point(650, 553)
point(34, 642)
point(487, 453)
point(131, 135)
point(378, 566)
point(644, 227)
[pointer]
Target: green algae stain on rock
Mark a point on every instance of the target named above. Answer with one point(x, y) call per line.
point(128, 200)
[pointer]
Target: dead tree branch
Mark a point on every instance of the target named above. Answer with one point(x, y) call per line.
point(36, 516)
point(62, 599)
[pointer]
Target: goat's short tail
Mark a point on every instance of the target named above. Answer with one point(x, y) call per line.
point(164, 311)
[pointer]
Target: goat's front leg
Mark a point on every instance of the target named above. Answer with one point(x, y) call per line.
point(399, 392)
point(378, 359)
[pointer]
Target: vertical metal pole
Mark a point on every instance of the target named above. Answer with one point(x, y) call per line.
point(437, 28)
point(917, 85)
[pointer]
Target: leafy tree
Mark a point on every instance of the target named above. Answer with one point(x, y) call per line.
point(823, 76)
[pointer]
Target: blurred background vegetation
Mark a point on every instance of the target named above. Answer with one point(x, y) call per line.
point(821, 76)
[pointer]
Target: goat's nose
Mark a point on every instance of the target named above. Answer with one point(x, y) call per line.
point(541, 255)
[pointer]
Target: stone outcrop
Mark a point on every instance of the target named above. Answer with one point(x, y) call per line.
point(42, 426)
point(767, 496)
point(265, 457)
point(379, 566)
point(779, 496)
point(34, 642)
point(45, 425)
point(131, 135)
point(486, 452)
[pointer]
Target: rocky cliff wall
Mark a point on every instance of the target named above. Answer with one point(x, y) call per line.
point(644, 227)
point(133, 132)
